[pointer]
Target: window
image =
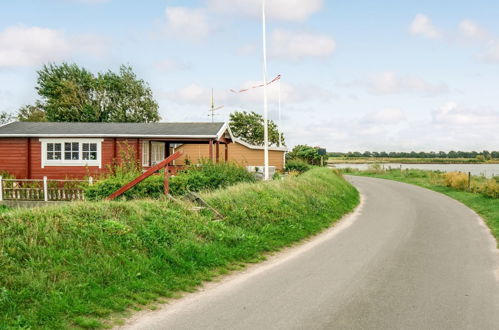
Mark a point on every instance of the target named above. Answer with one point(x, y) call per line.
point(89, 151)
point(71, 151)
point(145, 153)
point(54, 151)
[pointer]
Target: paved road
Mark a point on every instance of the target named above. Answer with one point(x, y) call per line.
point(412, 259)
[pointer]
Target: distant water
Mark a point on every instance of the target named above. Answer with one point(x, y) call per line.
point(487, 170)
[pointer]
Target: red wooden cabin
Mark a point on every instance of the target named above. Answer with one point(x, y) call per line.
point(32, 150)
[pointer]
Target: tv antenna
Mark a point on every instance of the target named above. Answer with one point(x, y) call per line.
point(213, 108)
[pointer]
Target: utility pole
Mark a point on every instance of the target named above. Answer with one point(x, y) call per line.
point(265, 106)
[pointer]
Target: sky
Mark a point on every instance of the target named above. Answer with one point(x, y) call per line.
point(385, 75)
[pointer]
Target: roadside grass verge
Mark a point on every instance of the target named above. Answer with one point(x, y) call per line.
point(75, 265)
point(486, 207)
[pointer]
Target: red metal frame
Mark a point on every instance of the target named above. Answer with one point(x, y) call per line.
point(147, 174)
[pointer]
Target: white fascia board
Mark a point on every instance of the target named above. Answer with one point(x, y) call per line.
point(111, 136)
point(250, 146)
point(222, 130)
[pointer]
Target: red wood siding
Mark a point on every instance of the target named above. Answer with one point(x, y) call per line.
point(13, 156)
point(14, 159)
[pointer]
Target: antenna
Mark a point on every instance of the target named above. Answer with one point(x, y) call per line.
point(213, 108)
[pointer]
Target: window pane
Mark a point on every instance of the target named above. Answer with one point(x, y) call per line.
point(93, 146)
point(76, 146)
point(57, 146)
point(76, 156)
point(57, 155)
point(67, 156)
point(50, 147)
point(93, 155)
point(67, 146)
point(85, 146)
point(50, 156)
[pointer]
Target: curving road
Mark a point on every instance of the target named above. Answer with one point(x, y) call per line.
point(410, 259)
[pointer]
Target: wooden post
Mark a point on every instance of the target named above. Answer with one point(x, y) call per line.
point(210, 148)
point(469, 181)
point(90, 181)
point(218, 151)
point(45, 189)
point(226, 152)
point(1, 188)
point(166, 181)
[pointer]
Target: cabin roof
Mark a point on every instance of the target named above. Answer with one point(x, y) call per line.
point(158, 130)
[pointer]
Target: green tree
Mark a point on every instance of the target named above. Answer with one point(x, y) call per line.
point(6, 117)
point(31, 113)
point(306, 153)
point(70, 93)
point(248, 126)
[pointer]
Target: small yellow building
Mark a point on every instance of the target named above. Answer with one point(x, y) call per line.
point(238, 151)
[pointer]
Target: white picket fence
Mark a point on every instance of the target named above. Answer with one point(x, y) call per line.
point(42, 189)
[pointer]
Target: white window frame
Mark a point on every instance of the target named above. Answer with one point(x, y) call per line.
point(145, 153)
point(63, 162)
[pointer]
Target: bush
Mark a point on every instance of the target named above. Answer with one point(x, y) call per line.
point(208, 176)
point(489, 188)
point(456, 180)
point(297, 165)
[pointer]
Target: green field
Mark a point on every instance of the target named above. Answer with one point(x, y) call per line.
point(80, 264)
point(486, 207)
point(384, 160)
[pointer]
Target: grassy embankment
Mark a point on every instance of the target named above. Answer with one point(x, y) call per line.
point(75, 265)
point(384, 160)
point(450, 184)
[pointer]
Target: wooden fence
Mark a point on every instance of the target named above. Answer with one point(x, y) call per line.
point(42, 189)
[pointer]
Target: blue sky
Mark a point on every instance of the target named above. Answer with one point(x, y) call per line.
point(357, 75)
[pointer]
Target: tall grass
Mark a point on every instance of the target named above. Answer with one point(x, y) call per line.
point(72, 266)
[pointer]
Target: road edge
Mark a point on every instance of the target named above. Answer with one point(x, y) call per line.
point(237, 276)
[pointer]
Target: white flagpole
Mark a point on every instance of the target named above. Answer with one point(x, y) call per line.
point(280, 123)
point(265, 106)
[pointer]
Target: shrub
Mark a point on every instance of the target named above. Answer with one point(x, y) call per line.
point(375, 169)
point(208, 176)
point(456, 180)
point(297, 165)
point(489, 188)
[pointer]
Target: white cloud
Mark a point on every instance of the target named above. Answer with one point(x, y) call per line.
point(287, 10)
point(384, 117)
point(472, 30)
point(191, 23)
point(195, 94)
point(423, 26)
point(296, 45)
point(390, 83)
point(451, 114)
point(27, 46)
